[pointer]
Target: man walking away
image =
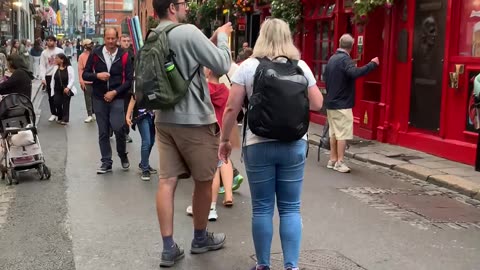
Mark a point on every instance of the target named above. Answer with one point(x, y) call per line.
point(188, 134)
point(341, 73)
point(47, 65)
point(86, 85)
point(125, 44)
point(111, 71)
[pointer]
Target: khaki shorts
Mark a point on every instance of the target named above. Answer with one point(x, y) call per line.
point(341, 124)
point(188, 151)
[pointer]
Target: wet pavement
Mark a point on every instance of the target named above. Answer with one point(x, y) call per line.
point(372, 218)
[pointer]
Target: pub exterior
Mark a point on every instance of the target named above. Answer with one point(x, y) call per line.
point(429, 52)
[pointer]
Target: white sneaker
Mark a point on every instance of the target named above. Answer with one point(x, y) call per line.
point(88, 119)
point(330, 164)
point(212, 216)
point(341, 167)
point(190, 210)
point(94, 118)
point(52, 118)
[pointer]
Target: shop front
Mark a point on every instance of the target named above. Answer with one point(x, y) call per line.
point(420, 96)
point(325, 22)
point(435, 58)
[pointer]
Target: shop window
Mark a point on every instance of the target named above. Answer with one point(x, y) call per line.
point(469, 40)
point(324, 47)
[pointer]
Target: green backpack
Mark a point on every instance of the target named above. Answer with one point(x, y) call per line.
point(159, 84)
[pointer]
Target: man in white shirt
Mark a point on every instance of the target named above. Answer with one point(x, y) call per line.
point(47, 65)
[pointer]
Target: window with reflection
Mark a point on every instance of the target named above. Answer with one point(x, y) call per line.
point(469, 31)
point(324, 47)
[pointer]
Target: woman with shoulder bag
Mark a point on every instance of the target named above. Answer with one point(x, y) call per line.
point(62, 88)
point(275, 168)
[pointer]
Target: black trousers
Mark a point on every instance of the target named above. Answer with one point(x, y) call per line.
point(62, 105)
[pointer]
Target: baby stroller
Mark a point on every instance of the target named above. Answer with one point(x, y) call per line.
point(20, 144)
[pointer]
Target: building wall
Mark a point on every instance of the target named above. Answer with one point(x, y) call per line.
point(143, 9)
point(114, 12)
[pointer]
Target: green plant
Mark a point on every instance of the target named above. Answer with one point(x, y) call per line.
point(152, 22)
point(207, 13)
point(288, 10)
point(361, 8)
point(192, 13)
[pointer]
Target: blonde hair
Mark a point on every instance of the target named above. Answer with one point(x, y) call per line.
point(275, 39)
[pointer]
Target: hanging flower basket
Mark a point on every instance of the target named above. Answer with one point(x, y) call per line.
point(288, 10)
point(361, 8)
point(242, 7)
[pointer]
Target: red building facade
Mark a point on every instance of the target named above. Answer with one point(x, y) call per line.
point(429, 52)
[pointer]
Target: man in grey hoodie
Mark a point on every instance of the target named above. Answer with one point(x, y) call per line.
point(188, 135)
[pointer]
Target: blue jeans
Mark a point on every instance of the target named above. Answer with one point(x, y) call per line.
point(110, 114)
point(276, 169)
point(146, 128)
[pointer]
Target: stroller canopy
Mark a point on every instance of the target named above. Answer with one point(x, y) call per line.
point(14, 105)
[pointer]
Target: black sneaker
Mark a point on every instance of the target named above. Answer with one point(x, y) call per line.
point(128, 139)
point(145, 176)
point(125, 162)
point(105, 168)
point(213, 241)
point(170, 257)
point(150, 169)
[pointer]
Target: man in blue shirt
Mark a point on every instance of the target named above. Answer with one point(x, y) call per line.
point(340, 75)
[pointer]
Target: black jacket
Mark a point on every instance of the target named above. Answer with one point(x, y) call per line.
point(120, 78)
point(20, 82)
point(340, 74)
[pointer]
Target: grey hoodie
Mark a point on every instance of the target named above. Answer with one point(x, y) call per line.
point(192, 48)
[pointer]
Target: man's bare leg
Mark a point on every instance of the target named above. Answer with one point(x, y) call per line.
point(165, 203)
point(333, 149)
point(202, 198)
point(342, 145)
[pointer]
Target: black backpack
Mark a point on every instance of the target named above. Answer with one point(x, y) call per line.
point(279, 106)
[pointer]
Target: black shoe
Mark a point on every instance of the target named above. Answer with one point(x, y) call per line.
point(128, 139)
point(150, 169)
point(105, 168)
point(170, 257)
point(213, 241)
point(124, 161)
point(145, 176)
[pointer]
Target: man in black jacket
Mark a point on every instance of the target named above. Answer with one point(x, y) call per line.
point(340, 75)
point(111, 71)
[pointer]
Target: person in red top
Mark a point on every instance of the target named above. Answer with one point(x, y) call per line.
point(219, 95)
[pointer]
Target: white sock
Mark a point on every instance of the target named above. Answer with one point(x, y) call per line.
point(213, 206)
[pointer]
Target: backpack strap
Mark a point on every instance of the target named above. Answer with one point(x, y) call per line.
point(95, 61)
point(124, 65)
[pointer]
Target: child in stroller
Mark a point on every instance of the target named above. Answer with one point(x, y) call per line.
point(19, 139)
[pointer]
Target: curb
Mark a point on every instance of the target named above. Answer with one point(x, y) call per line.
point(453, 182)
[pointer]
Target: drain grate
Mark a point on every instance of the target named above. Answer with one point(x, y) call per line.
point(319, 259)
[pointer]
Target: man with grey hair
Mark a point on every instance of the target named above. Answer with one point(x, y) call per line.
point(340, 75)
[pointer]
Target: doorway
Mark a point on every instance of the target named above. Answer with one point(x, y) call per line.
point(427, 68)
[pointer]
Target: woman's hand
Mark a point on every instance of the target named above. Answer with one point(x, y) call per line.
point(128, 119)
point(66, 90)
point(224, 151)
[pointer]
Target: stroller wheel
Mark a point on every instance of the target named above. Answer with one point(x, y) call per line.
point(46, 172)
point(41, 172)
point(9, 179)
point(14, 177)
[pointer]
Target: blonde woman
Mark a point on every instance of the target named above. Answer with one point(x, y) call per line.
point(274, 168)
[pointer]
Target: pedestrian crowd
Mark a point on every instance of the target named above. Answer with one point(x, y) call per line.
point(268, 90)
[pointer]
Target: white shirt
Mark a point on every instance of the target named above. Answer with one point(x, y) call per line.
point(245, 76)
point(109, 57)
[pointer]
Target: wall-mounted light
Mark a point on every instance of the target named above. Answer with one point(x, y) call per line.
point(17, 3)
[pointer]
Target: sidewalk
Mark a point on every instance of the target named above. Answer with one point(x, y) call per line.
point(453, 175)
